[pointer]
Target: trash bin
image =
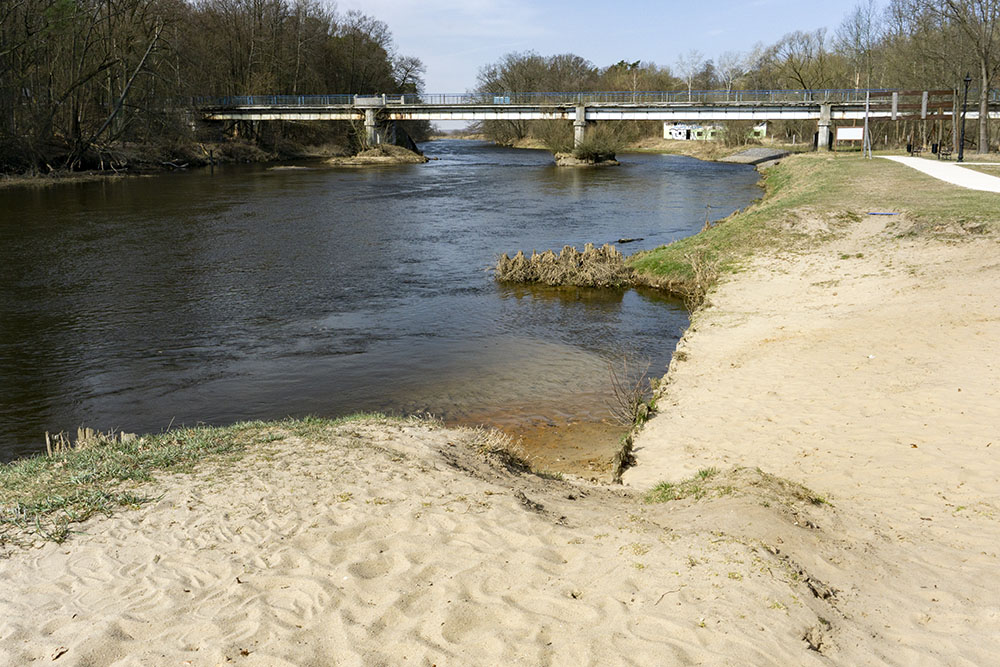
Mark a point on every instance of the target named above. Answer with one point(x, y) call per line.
point(934, 149)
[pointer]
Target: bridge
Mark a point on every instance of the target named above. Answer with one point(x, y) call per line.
point(823, 106)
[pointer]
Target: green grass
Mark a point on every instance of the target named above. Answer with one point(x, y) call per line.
point(43, 495)
point(693, 487)
point(840, 189)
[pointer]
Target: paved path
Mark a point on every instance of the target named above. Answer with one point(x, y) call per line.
point(756, 156)
point(950, 173)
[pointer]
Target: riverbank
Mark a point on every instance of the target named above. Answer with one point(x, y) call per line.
point(709, 151)
point(137, 161)
point(229, 153)
point(847, 351)
point(854, 353)
point(392, 541)
point(807, 198)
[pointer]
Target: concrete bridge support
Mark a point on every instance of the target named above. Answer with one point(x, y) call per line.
point(823, 139)
point(579, 125)
point(371, 132)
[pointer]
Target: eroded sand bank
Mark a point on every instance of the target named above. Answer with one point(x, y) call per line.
point(867, 368)
point(391, 543)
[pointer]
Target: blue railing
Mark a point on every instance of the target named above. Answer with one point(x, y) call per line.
point(549, 98)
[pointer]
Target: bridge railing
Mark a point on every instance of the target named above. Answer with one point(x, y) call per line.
point(646, 97)
point(230, 101)
point(544, 98)
point(504, 98)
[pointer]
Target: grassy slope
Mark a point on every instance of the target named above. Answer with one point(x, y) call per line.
point(835, 187)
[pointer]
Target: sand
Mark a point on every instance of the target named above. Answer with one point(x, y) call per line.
point(399, 544)
point(865, 368)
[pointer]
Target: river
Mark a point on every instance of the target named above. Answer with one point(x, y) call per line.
point(249, 292)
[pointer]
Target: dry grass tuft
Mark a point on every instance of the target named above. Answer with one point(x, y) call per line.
point(85, 439)
point(629, 386)
point(706, 273)
point(769, 490)
point(499, 448)
point(594, 267)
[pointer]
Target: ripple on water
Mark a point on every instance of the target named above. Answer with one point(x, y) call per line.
point(239, 293)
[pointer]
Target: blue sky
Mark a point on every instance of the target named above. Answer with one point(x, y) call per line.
point(454, 38)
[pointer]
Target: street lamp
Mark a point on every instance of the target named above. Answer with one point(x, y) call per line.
point(965, 101)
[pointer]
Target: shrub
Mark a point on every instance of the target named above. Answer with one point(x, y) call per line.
point(738, 133)
point(603, 140)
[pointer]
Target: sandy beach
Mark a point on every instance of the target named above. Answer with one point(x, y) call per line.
point(388, 543)
point(864, 368)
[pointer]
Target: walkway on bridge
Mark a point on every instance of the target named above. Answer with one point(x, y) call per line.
point(951, 172)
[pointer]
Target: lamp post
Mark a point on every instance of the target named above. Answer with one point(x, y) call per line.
point(965, 101)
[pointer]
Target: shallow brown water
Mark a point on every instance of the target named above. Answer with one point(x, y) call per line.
point(246, 293)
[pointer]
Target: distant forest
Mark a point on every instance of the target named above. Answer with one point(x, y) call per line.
point(80, 79)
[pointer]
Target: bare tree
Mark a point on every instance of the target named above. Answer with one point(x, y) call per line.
point(636, 75)
point(803, 60)
point(858, 37)
point(731, 68)
point(979, 20)
point(409, 73)
point(689, 66)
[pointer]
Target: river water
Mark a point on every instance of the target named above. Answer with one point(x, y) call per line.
point(246, 292)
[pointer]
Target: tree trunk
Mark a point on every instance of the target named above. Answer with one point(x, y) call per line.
point(984, 109)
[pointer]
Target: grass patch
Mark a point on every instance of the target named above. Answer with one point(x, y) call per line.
point(991, 169)
point(711, 482)
point(693, 487)
point(834, 189)
point(44, 495)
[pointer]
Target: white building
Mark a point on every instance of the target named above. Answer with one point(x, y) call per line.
point(698, 132)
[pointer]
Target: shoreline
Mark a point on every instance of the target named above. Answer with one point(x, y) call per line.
point(857, 363)
point(392, 540)
point(196, 156)
point(848, 352)
point(566, 441)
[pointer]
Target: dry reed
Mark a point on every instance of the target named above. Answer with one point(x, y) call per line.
point(594, 267)
point(85, 438)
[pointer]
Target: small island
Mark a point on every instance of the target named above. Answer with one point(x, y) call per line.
point(572, 160)
point(379, 155)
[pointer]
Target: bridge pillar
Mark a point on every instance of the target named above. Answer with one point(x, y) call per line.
point(579, 125)
point(823, 138)
point(371, 134)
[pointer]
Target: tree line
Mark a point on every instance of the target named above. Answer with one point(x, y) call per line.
point(78, 77)
point(910, 44)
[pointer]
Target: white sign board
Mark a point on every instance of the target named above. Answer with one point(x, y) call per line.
point(850, 133)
